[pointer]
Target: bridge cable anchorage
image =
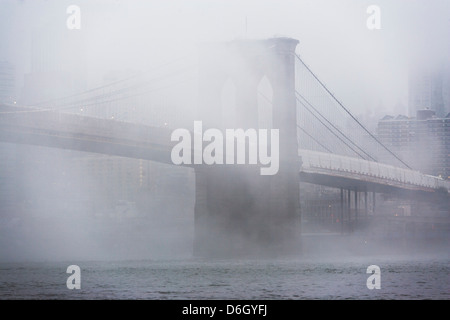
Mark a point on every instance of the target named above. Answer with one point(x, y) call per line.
point(318, 142)
point(334, 133)
point(334, 127)
point(351, 115)
point(304, 131)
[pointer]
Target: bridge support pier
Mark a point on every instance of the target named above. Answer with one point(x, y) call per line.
point(349, 210)
point(373, 202)
point(366, 206)
point(238, 211)
point(342, 211)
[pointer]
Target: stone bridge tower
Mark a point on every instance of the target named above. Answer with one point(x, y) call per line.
point(239, 212)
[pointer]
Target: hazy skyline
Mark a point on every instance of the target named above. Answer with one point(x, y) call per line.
point(88, 186)
point(366, 69)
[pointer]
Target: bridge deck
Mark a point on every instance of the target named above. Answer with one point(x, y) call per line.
point(341, 171)
point(71, 131)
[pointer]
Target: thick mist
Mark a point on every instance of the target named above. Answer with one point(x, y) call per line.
point(367, 68)
point(68, 205)
point(62, 209)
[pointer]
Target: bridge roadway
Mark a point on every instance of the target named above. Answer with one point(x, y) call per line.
point(352, 173)
point(76, 132)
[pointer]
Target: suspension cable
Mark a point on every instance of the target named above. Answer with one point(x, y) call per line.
point(334, 133)
point(337, 129)
point(351, 115)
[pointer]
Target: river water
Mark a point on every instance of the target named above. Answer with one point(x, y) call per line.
point(424, 277)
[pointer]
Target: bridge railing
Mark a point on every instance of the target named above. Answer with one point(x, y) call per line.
point(315, 159)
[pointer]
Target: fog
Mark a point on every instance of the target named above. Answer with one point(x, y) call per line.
point(334, 39)
point(69, 205)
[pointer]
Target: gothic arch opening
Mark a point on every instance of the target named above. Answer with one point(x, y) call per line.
point(228, 107)
point(265, 107)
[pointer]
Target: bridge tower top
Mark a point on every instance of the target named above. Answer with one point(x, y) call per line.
point(269, 205)
point(245, 63)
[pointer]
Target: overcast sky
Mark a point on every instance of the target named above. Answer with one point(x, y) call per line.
point(364, 68)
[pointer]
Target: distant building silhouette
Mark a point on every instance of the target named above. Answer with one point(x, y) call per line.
point(58, 65)
point(7, 83)
point(423, 141)
point(429, 87)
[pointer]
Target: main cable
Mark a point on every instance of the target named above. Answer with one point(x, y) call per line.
point(351, 115)
point(334, 133)
point(334, 127)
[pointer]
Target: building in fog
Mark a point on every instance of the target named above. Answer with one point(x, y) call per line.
point(7, 83)
point(429, 87)
point(8, 179)
point(423, 141)
point(9, 163)
point(58, 66)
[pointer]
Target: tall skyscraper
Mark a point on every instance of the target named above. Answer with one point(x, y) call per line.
point(8, 158)
point(58, 65)
point(7, 83)
point(429, 87)
point(423, 142)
